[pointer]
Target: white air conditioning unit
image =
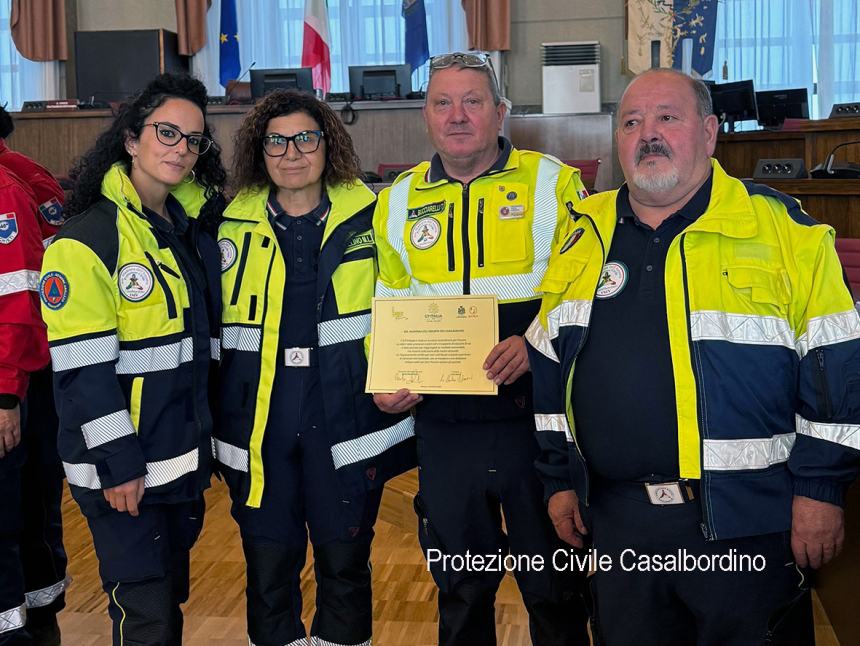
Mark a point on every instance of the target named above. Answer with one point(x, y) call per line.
point(571, 77)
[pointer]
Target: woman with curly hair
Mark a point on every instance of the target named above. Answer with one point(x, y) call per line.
point(131, 298)
point(302, 447)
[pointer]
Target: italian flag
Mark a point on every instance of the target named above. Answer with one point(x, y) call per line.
point(315, 48)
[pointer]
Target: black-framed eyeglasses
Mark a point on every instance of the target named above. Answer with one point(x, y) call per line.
point(475, 60)
point(306, 142)
point(170, 135)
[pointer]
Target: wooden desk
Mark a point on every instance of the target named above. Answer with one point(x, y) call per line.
point(833, 201)
point(811, 141)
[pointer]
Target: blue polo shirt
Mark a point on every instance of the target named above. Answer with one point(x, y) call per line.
point(623, 392)
point(300, 239)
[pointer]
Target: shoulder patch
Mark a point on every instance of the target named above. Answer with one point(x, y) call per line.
point(8, 227)
point(52, 211)
point(792, 206)
point(54, 290)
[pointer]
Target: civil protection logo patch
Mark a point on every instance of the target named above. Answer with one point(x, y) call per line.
point(228, 253)
point(8, 227)
point(54, 290)
point(613, 278)
point(135, 281)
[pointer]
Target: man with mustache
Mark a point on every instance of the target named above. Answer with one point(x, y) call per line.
point(479, 218)
point(703, 400)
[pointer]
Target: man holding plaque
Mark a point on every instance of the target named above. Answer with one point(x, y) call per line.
point(479, 219)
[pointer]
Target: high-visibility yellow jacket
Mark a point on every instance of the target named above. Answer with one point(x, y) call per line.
point(492, 236)
point(367, 446)
point(130, 343)
point(765, 345)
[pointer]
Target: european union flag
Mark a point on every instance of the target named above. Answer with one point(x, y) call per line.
point(417, 49)
point(229, 43)
point(696, 20)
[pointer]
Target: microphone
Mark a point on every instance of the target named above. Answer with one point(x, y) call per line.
point(828, 170)
point(242, 75)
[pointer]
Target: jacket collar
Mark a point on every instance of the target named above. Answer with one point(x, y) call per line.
point(250, 206)
point(432, 174)
point(117, 187)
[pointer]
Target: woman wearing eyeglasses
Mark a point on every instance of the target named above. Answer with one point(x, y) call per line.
point(302, 447)
point(130, 295)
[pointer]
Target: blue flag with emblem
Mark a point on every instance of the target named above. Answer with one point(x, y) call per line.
point(229, 43)
point(417, 48)
point(695, 20)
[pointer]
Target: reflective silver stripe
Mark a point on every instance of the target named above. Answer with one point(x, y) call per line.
point(157, 473)
point(161, 357)
point(736, 455)
point(506, 288)
point(545, 213)
point(164, 471)
point(244, 339)
point(23, 280)
point(384, 291)
point(82, 475)
point(539, 339)
point(109, 427)
point(317, 641)
point(215, 349)
point(231, 455)
point(302, 641)
point(45, 596)
point(553, 423)
point(746, 329)
point(13, 619)
point(351, 328)
point(844, 434)
point(567, 314)
point(88, 352)
point(827, 330)
point(372, 444)
point(398, 201)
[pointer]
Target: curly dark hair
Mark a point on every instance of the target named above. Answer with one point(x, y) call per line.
point(249, 166)
point(7, 126)
point(90, 169)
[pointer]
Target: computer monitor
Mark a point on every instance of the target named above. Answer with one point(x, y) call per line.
point(775, 106)
point(376, 82)
point(265, 81)
point(734, 102)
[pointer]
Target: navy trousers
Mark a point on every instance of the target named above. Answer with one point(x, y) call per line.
point(470, 473)
point(32, 557)
point(701, 606)
point(301, 497)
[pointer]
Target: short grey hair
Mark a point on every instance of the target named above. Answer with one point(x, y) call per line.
point(704, 104)
point(486, 70)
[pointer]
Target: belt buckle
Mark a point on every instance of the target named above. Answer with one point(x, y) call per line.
point(665, 493)
point(297, 357)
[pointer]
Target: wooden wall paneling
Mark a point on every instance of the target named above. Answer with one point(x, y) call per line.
point(569, 136)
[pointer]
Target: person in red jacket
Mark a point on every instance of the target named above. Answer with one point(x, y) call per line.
point(32, 558)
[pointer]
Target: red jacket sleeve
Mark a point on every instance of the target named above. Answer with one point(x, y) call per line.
point(23, 339)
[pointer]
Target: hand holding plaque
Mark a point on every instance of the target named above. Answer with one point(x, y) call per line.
point(433, 345)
